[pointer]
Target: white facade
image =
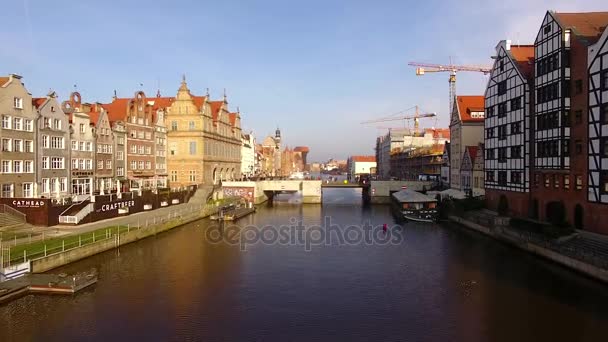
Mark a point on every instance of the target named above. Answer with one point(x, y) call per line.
point(361, 167)
point(466, 129)
point(598, 120)
point(248, 157)
point(507, 104)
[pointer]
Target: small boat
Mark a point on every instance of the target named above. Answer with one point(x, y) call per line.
point(414, 206)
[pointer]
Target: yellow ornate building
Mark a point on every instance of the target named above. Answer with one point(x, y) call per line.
point(204, 139)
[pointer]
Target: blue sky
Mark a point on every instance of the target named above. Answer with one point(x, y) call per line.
point(314, 68)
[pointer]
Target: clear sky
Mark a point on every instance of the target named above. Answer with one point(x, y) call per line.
point(314, 68)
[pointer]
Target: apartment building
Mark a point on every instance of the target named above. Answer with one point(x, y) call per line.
point(104, 148)
point(82, 147)
point(509, 108)
point(466, 129)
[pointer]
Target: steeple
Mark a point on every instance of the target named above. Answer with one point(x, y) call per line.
point(225, 97)
point(183, 86)
point(183, 93)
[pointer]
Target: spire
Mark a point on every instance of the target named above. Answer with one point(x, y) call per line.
point(183, 87)
point(158, 93)
point(207, 92)
point(225, 97)
point(115, 96)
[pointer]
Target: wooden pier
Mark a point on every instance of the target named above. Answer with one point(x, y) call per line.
point(45, 284)
point(232, 214)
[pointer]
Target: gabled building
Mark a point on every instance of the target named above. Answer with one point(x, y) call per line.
point(561, 159)
point(120, 152)
point(598, 134)
point(466, 168)
point(248, 155)
point(445, 165)
point(53, 148)
point(509, 108)
point(17, 131)
point(104, 147)
point(466, 129)
point(82, 146)
point(478, 185)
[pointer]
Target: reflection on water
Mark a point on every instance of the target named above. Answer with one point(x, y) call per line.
point(439, 284)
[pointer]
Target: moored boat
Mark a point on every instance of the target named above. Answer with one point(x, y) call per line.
point(414, 206)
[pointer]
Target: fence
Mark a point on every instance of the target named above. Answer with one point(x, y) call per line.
point(11, 211)
point(41, 246)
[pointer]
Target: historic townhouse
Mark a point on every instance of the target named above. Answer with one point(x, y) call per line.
point(561, 84)
point(18, 139)
point(270, 149)
point(104, 141)
point(120, 155)
point(478, 185)
point(222, 142)
point(445, 165)
point(82, 146)
point(508, 107)
point(248, 155)
point(52, 148)
point(466, 168)
point(138, 117)
point(466, 129)
point(598, 134)
point(185, 138)
point(160, 148)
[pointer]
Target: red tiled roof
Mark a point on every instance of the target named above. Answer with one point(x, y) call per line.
point(524, 57)
point(589, 25)
point(470, 103)
point(232, 118)
point(472, 151)
point(216, 106)
point(3, 80)
point(38, 101)
point(301, 149)
point(363, 158)
point(117, 110)
point(199, 100)
point(160, 102)
point(439, 132)
point(94, 116)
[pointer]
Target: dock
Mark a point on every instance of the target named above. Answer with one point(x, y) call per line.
point(46, 284)
point(232, 214)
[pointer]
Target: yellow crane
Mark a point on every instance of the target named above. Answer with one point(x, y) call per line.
point(423, 68)
point(414, 117)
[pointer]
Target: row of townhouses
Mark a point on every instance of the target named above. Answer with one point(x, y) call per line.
point(58, 150)
point(539, 135)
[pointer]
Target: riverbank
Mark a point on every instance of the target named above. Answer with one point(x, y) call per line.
point(45, 255)
point(547, 251)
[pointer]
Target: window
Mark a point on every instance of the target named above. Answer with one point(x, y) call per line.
point(490, 111)
point(45, 185)
point(28, 190)
point(133, 164)
point(140, 134)
point(515, 151)
point(82, 128)
point(133, 148)
point(489, 154)
point(148, 165)
point(174, 125)
point(516, 127)
point(81, 165)
point(18, 124)
point(566, 147)
point(547, 29)
point(490, 133)
point(57, 163)
point(515, 177)
point(63, 185)
point(82, 146)
point(174, 176)
point(6, 166)
point(18, 102)
point(172, 149)
point(7, 190)
point(556, 181)
point(89, 146)
point(547, 181)
point(604, 80)
point(565, 89)
point(46, 122)
point(120, 171)
point(57, 142)
point(45, 163)
point(57, 124)
point(502, 87)
point(119, 155)
point(578, 147)
point(140, 164)
point(536, 179)
point(6, 122)
point(99, 148)
point(502, 177)
point(7, 145)
point(140, 149)
point(28, 126)
point(17, 166)
point(502, 154)
point(121, 141)
point(566, 182)
point(579, 182)
point(108, 164)
point(192, 177)
point(604, 113)
point(29, 146)
point(191, 125)
point(604, 147)
point(566, 119)
point(45, 141)
point(148, 150)
point(74, 164)
point(192, 148)
point(502, 65)
point(578, 116)
point(547, 121)
point(578, 86)
point(516, 103)
point(502, 110)
point(502, 132)
point(89, 164)
point(28, 166)
point(100, 164)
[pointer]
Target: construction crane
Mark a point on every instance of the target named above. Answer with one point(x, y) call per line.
point(415, 117)
point(422, 68)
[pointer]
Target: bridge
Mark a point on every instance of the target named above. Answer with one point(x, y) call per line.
point(312, 190)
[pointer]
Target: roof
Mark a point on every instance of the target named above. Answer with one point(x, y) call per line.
point(411, 196)
point(524, 58)
point(38, 101)
point(216, 106)
point(439, 132)
point(232, 118)
point(301, 149)
point(470, 103)
point(117, 110)
point(472, 151)
point(588, 25)
point(3, 80)
point(363, 159)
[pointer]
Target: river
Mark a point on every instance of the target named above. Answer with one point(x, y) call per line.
point(434, 283)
